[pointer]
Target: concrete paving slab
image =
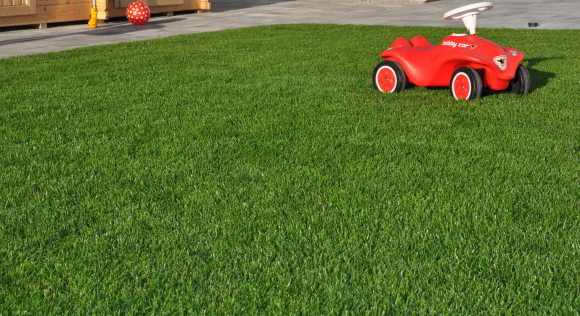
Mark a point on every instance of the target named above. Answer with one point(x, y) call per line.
point(227, 14)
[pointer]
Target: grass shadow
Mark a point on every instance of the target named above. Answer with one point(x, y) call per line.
point(539, 78)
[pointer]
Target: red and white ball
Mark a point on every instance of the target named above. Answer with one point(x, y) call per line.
point(138, 13)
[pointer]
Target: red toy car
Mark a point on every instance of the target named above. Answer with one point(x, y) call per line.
point(465, 63)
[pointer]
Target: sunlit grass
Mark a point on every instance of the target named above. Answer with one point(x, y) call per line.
point(256, 170)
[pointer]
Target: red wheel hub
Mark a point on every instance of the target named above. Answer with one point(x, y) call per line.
point(461, 86)
point(386, 79)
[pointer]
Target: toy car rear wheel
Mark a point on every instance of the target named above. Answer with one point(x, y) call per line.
point(466, 84)
point(521, 82)
point(389, 76)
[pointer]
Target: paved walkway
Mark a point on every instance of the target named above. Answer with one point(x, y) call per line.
point(226, 14)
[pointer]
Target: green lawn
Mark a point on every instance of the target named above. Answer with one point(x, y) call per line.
point(257, 171)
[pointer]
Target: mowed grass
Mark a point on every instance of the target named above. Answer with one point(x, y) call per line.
point(257, 171)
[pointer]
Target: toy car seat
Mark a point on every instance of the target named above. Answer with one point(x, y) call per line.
point(420, 41)
point(401, 42)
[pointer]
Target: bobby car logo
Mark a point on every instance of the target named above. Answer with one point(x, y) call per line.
point(454, 44)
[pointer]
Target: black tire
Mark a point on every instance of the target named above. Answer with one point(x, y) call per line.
point(521, 82)
point(474, 84)
point(384, 68)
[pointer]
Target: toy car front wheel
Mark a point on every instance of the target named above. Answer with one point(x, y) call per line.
point(466, 84)
point(521, 82)
point(388, 76)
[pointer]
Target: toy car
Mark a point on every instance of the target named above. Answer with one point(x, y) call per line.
point(465, 63)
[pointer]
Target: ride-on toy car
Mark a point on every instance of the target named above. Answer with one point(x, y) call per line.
point(465, 63)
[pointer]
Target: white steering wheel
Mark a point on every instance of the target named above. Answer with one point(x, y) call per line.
point(468, 14)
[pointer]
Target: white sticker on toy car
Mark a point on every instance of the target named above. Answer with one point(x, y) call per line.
point(500, 61)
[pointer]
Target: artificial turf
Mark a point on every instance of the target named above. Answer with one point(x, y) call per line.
point(257, 171)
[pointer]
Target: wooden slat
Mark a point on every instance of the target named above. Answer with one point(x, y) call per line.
point(102, 13)
point(153, 3)
point(16, 2)
point(204, 4)
point(8, 11)
point(122, 3)
point(60, 2)
point(70, 12)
